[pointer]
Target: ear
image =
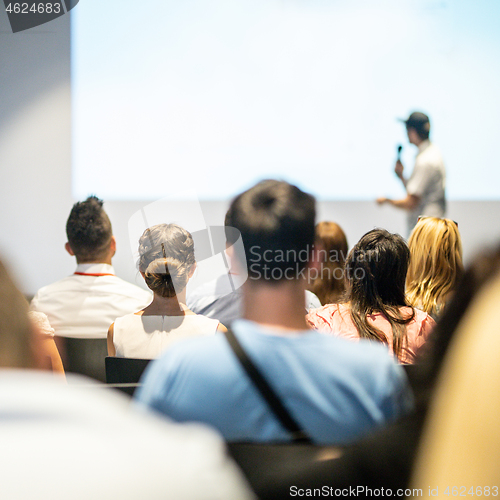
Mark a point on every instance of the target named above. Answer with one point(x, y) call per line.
point(112, 245)
point(234, 265)
point(192, 270)
point(69, 249)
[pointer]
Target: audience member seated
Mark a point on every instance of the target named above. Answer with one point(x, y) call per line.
point(67, 441)
point(376, 307)
point(336, 390)
point(328, 285)
point(222, 298)
point(166, 261)
point(435, 264)
point(83, 305)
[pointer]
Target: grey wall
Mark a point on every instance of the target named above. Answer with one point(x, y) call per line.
point(35, 148)
point(35, 166)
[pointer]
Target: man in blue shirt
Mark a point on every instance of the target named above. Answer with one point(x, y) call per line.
point(335, 389)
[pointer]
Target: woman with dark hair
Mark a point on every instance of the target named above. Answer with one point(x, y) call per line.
point(375, 307)
point(331, 242)
point(166, 262)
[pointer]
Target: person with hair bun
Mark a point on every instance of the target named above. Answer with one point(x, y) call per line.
point(435, 265)
point(376, 308)
point(166, 262)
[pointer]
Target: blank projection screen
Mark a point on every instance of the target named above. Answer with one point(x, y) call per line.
point(213, 95)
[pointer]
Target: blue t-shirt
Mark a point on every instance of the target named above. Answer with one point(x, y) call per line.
point(335, 389)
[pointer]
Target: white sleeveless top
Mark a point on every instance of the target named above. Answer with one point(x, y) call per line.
point(147, 337)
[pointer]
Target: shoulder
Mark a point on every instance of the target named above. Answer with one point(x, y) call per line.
point(57, 286)
point(203, 321)
point(425, 323)
point(324, 317)
point(47, 294)
point(312, 301)
point(419, 329)
point(430, 157)
point(125, 287)
point(422, 318)
point(126, 319)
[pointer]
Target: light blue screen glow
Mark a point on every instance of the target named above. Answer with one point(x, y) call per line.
point(212, 95)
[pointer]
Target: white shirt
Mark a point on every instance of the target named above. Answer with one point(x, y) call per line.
point(68, 441)
point(147, 337)
point(84, 306)
point(428, 182)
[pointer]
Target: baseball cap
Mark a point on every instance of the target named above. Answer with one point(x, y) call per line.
point(417, 120)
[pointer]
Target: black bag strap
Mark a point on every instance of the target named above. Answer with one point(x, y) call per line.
point(268, 393)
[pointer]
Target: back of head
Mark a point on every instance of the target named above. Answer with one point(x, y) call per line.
point(276, 223)
point(376, 270)
point(89, 230)
point(16, 335)
point(419, 122)
point(332, 247)
point(375, 281)
point(166, 257)
point(436, 262)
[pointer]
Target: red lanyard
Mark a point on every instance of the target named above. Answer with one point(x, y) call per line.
point(94, 274)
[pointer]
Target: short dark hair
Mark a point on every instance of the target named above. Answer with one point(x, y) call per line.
point(89, 230)
point(276, 222)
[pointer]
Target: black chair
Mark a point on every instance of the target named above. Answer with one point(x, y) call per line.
point(265, 463)
point(85, 356)
point(413, 373)
point(125, 371)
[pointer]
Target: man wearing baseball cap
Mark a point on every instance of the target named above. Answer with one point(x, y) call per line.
point(425, 188)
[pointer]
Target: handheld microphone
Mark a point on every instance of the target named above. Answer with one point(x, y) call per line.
point(400, 148)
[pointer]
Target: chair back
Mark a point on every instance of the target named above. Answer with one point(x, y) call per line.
point(124, 370)
point(85, 356)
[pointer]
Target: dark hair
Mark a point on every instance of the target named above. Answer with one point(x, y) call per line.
point(89, 230)
point(331, 242)
point(166, 256)
point(276, 222)
point(375, 281)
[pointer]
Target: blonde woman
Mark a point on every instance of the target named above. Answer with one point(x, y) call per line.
point(435, 264)
point(166, 262)
point(329, 286)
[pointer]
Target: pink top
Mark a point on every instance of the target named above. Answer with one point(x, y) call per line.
point(336, 320)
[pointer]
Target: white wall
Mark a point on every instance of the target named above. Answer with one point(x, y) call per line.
point(35, 166)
